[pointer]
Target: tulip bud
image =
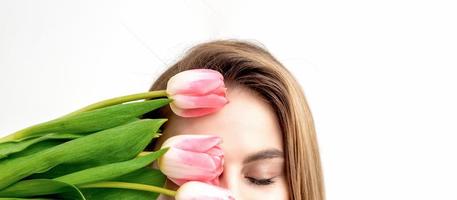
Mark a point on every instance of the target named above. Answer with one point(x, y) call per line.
point(196, 92)
point(192, 158)
point(194, 190)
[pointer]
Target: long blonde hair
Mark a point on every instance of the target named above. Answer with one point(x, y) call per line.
point(247, 64)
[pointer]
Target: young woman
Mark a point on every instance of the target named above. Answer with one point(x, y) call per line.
point(269, 140)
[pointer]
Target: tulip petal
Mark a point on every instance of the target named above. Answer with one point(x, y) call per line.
point(192, 157)
point(195, 82)
point(180, 164)
point(221, 91)
point(215, 151)
point(178, 181)
point(196, 112)
point(192, 102)
point(196, 143)
point(193, 190)
point(214, 181)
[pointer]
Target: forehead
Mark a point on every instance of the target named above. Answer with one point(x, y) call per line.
point(246, 124)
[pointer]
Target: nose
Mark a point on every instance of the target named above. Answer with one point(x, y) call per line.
point(229, 180)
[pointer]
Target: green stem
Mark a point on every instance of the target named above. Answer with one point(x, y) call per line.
point(132, 186)
point(108, 102)
point(119, 100)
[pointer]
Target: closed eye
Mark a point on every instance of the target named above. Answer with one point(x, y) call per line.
point(260, 182)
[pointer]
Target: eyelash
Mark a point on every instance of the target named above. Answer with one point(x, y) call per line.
point(260, 182)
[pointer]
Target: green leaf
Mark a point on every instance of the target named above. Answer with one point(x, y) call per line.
point(147, 176)
point(90, 121)
point(110, 171)
point(112, 145)
point(40, 187)
point(101, 173)
point(63, 169)
point(24, 198)
point(40, 146)
point(14, 147)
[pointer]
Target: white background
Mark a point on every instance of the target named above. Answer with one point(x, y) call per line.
point(380, 76)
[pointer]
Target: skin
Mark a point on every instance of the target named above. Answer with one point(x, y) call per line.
point(252, 145)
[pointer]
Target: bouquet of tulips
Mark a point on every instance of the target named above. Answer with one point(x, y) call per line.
point(98, 152)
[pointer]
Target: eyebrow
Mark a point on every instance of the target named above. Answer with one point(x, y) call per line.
point(264, 154)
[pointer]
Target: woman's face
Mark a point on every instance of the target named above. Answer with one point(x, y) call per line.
point(252, 145)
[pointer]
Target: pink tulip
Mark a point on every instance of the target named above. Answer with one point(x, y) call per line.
point(192, 158)
point(196, 92)
point(195, 190)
